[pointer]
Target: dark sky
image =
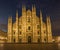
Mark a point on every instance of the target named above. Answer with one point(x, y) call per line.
point(48, 7)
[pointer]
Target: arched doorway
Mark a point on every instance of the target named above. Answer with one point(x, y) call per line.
point(29, 39)
point(14, 40)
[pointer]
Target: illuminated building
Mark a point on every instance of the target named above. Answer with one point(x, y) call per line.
point(29, 28)
point(56, 39)
point(3, 37)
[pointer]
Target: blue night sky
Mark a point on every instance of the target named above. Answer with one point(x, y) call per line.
point(48, 7)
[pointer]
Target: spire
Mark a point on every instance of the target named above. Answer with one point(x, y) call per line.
point(49, 31)
point(41, 24)
point(23, 8)
point(10, 19)
point(40, 17)
point(48, 19)
point(9, 29)
point(48, 22)
point(16, 13)
point(16, 34)
point(33, 8)
point(40, 14)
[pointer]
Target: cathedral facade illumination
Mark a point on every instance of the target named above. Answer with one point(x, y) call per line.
point(29, 28)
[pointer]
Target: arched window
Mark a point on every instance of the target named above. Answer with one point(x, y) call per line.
point(38, 32)
point(14, 33)
point(29, 28)
point(45, 39)
point(20, 32)
point(14, 40)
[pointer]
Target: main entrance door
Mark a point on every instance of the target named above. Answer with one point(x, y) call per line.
point(29, 39)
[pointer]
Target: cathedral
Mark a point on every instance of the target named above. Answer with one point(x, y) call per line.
point(29, 28)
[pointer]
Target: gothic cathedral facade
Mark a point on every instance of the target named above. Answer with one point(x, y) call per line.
point(29, 28)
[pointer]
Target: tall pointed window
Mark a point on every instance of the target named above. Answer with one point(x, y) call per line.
point(20, 32)
point(14, 33)
point(14, 40)
point(29, 28)
point(45, 39)
point(38, 33)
